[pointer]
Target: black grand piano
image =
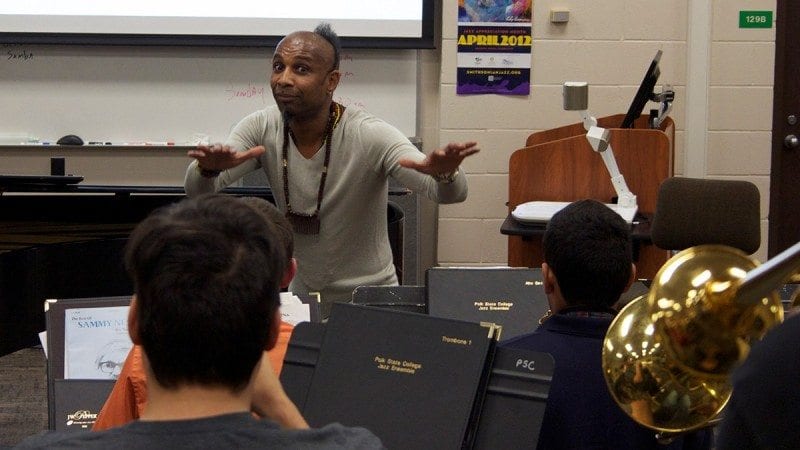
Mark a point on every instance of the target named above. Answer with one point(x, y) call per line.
point(63, 239)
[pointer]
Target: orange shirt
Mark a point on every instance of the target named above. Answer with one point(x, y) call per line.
point(129, 395)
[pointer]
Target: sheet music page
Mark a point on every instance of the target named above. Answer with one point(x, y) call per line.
point(293, 311)
point(96, 342)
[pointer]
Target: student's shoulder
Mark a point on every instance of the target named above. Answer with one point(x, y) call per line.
point(333, 436)
point(357, 437)
point(524, 341)
point(61, 439)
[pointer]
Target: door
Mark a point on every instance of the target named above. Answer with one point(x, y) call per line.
point(784, 204)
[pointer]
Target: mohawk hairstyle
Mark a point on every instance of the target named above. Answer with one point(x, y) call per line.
point(325, 31)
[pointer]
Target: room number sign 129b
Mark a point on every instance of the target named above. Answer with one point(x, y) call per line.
point(755, 19)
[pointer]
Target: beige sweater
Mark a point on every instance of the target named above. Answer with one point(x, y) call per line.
point(352, 248)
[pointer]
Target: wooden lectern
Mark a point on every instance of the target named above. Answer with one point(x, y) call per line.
point(560, 165)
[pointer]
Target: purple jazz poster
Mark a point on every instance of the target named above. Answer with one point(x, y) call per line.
point(494, 47)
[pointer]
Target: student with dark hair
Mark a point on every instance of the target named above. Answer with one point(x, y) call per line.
point(588, 264)
point(329, 168)
point(128, 398)
point(207, 275)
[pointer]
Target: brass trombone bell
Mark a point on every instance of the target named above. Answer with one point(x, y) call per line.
point(650, 387)
point(667, 356)
point(693, 302)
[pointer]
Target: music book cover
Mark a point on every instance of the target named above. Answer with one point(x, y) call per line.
point(516, 397)
point(512, 297)
point(56, 314)
point(78, 402)
point(415, 381)
point(96, 342)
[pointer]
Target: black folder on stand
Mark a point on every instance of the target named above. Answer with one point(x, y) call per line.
point(413, 380)
point(515, 400)
point(78, 402)
point(512, 297)
point(300, 361)
point(329, 384)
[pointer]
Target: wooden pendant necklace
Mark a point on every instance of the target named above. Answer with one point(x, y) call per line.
point(309, 223)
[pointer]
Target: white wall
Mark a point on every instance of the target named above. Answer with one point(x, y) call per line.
point(740, 101)
point(609, 44)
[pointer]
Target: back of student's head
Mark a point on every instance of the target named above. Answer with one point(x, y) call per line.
point(282, 225)
point(588, 248)
point(206, 274)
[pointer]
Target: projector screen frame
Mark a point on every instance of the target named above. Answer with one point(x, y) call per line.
point(425, 41)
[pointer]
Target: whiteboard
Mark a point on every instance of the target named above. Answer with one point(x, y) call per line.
point(139, 94)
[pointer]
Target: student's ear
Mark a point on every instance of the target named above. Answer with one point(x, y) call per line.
point(631, 279)
point(549, 279)
point(133, 322)
point(289, 273)
point(554, 297)
point(274, 330)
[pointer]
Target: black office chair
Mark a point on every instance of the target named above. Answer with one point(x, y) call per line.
point(693, 211)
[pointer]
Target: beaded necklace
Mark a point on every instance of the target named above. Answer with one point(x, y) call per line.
point(309, 223)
